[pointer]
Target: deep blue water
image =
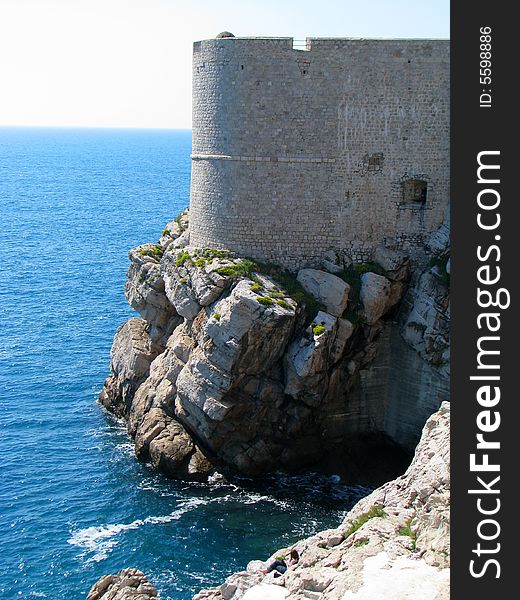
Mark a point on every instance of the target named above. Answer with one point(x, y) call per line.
point(74, 503)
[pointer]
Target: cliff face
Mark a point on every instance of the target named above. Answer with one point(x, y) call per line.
point(249, 367)
point(393, 544)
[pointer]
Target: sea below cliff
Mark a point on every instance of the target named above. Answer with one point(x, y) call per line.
point(74, 503)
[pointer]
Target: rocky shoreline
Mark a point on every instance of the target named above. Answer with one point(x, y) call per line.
point(247, 368)
point(250, 368)
point(393, 544)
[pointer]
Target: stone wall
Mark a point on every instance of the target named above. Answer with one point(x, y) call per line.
point(299, 151)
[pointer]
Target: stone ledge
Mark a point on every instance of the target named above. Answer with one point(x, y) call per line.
point(286, 159)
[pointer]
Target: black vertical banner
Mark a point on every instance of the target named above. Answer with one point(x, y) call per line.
point(485, 427)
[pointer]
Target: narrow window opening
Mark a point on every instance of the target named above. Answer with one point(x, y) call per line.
point(414, 191)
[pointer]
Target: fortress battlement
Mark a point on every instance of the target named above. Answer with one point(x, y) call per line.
point(341, 144)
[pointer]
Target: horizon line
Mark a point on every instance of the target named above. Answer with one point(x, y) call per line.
point(125, 127)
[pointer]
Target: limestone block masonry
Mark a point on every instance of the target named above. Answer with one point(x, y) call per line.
point(342, 145)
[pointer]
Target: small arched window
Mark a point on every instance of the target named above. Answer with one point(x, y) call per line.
point(414, 191)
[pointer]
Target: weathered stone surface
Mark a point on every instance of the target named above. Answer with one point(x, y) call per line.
point(144, 290)
point(307, 361)
point(439, 241)
point(327, 288)
point(427, 325)
point(402, 552)
point(169, 447)
point(130, 358)
point(265, 591)
point(394, 262)
point(128, 584)
point(375, 296)
point(246, 340)
point(192, 278)
point(426, 322)
point(177, 288)
point(159, 389)
point(296, 184)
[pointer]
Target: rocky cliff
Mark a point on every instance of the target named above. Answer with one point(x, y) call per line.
point(252, 368)
point(394, 544)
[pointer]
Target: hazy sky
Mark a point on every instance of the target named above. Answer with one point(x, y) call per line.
point(127, 63)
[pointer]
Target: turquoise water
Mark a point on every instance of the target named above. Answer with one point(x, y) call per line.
point(74, 503)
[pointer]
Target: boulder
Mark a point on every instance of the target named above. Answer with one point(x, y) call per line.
point(394, 262)
point(327, 288)
point(169, 447)
point(374, 295)
point(128, 584)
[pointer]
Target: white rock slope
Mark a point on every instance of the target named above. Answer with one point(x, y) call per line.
point(393, 545)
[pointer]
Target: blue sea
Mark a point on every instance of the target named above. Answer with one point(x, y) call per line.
point(74, 502)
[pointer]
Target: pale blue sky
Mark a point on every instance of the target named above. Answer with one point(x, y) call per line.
point(127, 63)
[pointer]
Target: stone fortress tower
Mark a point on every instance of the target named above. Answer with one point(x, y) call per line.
point(342, 145)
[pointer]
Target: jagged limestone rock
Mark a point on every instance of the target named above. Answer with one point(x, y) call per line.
point(395, 543)
point(245, 340)
point(426, 321)
point(375, 296)
point(176, 230)
point(169, 447)
point(439, 242)
point(192, 278)
point(327, 288)
point(128, 584)
point(144, 290)
point(426, 327)
point(130, 358)
point(237, 365)
point(394, 262)
point(307, 361)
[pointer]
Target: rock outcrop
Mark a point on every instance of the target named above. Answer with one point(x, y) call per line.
point(238, 363)
point(394, 544)
point(251, 368)
point(426, 325)
point(128, 584)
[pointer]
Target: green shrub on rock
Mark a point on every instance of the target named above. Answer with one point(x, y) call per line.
point(265, 301)
point(375, 511)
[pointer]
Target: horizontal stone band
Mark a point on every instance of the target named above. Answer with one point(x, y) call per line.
point(287, 159)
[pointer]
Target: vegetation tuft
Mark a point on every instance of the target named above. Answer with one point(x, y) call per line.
point(183, 257)
point(283, 303)
point(317, 329)
point(375, 511)
point(155, 251)
point(257, 288)
point(407, 530)
point(211, 253)
point(265, 301)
